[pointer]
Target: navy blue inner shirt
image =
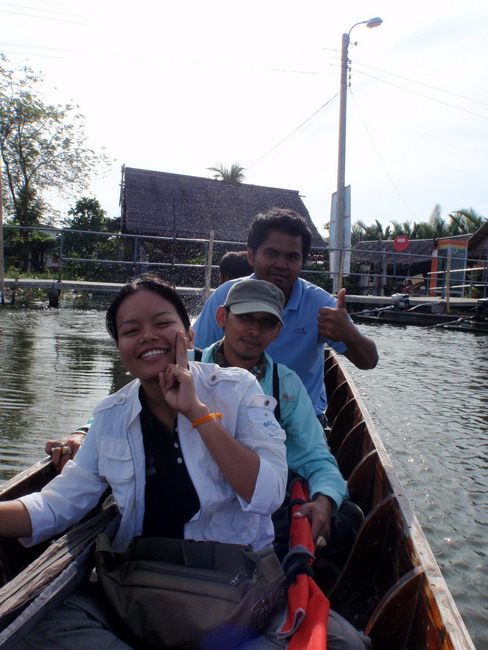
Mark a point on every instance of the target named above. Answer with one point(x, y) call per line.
point(170, 498)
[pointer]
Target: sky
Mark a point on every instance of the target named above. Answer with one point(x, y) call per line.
point(182, 86)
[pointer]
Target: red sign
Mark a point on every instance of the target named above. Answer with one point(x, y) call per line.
point(401, 243)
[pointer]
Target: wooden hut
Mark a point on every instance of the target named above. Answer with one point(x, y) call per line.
point(176, 205)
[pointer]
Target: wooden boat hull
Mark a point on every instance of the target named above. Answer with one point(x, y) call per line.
point(399, 317)
point(467, 325)
point(391, 585)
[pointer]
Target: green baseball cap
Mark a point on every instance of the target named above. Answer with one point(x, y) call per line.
point(247, 296)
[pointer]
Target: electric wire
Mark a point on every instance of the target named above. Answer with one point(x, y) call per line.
point(421, 83)
point(293, 132)
point(414, 92)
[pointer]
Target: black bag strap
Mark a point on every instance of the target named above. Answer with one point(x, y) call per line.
point(198, 354)
point(276, 391)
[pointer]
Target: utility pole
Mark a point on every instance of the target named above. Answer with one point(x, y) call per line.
point(341, 169)
point(340, 215)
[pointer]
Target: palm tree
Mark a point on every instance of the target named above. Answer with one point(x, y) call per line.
point(465, 221)
point(372, 232)
point(233, 174)
point(436, 226)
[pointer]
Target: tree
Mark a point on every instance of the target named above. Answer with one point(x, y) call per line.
point(234, 174)
point(462, 222)
point(373, 232)
point(43, 148)
point(466, 221)
point(87, 214)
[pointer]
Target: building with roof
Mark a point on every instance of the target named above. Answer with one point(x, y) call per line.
point(423, 262)
point(478, 243)
point(176, 205)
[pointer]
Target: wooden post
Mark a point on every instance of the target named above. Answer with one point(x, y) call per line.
point(208, 269)
point(53, 297)
point(340, 274)
point(448, 279)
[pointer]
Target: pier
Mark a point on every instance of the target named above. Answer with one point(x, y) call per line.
point(53, 289)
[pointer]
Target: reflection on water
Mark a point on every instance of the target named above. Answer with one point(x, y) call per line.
point(428, 397)
point(56, 365)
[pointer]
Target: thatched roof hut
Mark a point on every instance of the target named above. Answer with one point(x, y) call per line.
point(176, 205)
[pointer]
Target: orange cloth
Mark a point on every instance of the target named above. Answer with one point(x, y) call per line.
point(308, 608)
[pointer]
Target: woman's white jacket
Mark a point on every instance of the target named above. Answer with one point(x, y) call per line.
point(113, 455)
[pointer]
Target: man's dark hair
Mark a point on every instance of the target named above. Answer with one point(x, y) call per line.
point(234, 265)
point(283, 220)
point(150, 283)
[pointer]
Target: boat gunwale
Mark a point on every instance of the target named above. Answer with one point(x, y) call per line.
point(457, 637)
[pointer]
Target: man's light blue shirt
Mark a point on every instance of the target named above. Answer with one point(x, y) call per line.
point(298, 345)
point(307, 453)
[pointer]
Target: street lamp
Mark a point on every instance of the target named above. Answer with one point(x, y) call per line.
point(340, 205)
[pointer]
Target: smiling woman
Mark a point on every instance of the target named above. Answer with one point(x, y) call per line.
point(175, 470)
point(149, 328)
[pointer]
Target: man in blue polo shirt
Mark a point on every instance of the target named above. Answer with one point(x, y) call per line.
point(279, 242)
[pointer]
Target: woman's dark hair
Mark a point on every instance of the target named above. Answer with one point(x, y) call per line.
point(282, 220)
point(150, 283)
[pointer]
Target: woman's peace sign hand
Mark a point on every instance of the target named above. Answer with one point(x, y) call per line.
point(177, 385)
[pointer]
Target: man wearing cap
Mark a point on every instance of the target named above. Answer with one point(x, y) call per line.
point(251, 318)
point(279, 242)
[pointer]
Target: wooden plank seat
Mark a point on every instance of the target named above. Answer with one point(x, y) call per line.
point(372, 569)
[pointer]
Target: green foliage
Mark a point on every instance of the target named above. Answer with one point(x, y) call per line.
point(87, 214)
point(466, 221)
point(28, 208)
point(232, 174)
point(461, 222)
point(42, 148)
point(27, 250)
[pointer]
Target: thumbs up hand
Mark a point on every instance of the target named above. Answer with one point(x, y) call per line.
point(334, 322)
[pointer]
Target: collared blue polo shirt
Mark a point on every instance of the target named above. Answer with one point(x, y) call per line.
point(298, 345)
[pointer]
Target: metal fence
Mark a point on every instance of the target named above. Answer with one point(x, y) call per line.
point(193, 262)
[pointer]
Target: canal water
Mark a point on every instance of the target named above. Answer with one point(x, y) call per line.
point(428, 398)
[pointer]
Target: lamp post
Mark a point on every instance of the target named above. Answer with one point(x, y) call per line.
point(341, 162)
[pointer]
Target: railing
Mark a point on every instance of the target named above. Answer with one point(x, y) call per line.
point(191, 262)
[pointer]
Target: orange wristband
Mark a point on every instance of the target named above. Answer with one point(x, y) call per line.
point(206, 418)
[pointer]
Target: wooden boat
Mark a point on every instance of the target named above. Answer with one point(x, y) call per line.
point(467, 325)
point(391, 585)
point(477, 323)
point(412, 316)
point(400, 313)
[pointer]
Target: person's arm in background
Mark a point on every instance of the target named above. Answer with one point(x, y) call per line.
point(336, 325)
point(63, 501)
point(65, 448)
